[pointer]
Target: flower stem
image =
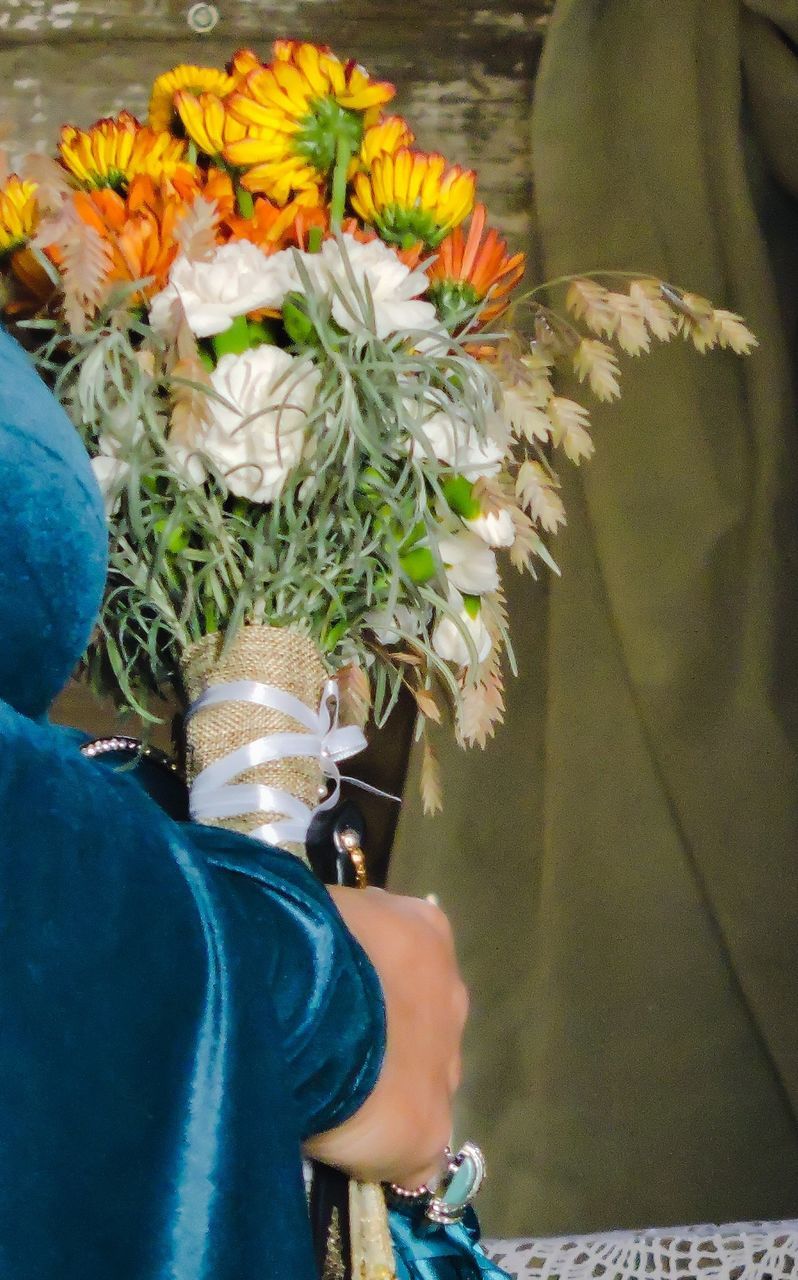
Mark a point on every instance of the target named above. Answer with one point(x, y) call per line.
point(343, 154)
point(246, 205)
point(586, 275)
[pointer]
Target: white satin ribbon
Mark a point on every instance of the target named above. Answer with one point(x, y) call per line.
point(214, 794)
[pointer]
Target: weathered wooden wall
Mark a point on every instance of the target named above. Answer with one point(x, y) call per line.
point(464, 72)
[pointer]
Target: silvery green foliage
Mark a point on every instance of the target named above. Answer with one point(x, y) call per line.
point(188, 558)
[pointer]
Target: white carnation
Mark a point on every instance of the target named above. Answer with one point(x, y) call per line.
point(470, 565)
point(449, 642)
point(459, 445)
point(379, 275)
point(110, 473)
point(391, 628)
point(123, 432)
point(236, 279)
point(256, 438)
point(187, 460)
point(495, 527)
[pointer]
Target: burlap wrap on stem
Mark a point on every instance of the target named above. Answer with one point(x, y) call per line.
point(270, 655)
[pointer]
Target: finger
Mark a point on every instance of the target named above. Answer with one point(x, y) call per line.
point(438, 919)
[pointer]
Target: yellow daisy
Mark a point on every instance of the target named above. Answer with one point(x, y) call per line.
point(207, 122)
point(189, 79)
point(19, 213)
point(242, 63)
point(411, 196)
point(295, 111)
point(385, 138)
point(113, 151)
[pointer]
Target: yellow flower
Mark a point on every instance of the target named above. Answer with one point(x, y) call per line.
point(114, 151)
point(295, 111)
point(195, 80)
point(207, 121)
point(18, 213)
point(242, 63)
point(385, 138)
point(411, 196)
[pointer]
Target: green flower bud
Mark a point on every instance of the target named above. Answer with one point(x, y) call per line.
point(472, 605)
point(298, 324)
point(459, 493)
point(418, 564)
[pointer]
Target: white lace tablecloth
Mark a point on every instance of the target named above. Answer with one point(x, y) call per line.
point(737, 1251)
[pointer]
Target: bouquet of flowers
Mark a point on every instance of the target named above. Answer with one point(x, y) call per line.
point(274, 322)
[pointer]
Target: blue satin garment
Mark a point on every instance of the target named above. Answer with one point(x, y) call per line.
point(427, 1252)
point(179, 1007)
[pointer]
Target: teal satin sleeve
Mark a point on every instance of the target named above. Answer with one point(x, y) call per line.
point(429, 1252)
point(325, 991)
point(160, 1008)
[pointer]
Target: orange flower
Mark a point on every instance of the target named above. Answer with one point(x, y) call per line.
point(305, 221)
point(211, 184)
point(472, 268)
point(271, 225)
point(218, 186)
point(139, 231)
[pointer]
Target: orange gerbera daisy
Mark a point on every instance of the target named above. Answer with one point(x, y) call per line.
point(217, 185)
point(113, 151)
point(139, 230)
point(411, 196)
point(271, 225)
point(189, 182)
point(471, 269)
point(297, 111)
point(311, 219)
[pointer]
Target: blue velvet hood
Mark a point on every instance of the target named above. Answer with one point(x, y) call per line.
point(180, 1007)
point(52, 539)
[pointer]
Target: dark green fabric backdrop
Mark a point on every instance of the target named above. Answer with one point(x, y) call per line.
point(622, 863)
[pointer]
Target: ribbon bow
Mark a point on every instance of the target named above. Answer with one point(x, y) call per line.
point(214, 794)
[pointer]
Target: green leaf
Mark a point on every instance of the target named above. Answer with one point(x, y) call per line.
point(234, 341)
point(260, 334)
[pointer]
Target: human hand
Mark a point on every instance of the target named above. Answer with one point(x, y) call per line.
point(400, 1132)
